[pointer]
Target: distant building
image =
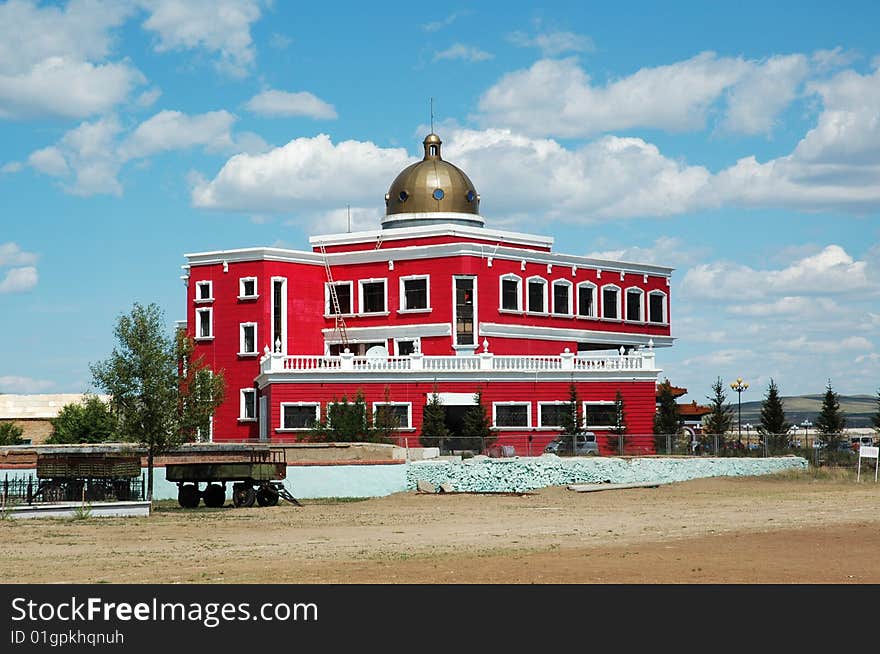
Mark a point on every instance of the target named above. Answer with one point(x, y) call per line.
point(691, 414)
point(33, 413)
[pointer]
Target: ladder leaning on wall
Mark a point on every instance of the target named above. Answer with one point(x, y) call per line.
point(339, 332)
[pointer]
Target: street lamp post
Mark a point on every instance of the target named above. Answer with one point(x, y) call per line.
point(806, 424)
point(739, 386)
point(748, 427)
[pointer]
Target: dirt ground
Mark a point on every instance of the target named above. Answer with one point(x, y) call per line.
point(816, 527)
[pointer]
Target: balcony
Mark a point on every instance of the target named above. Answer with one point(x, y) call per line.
point(640, 361)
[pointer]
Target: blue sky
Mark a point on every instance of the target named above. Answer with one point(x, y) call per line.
point(738, 144)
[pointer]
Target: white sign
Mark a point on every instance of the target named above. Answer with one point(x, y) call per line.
point(868, 452)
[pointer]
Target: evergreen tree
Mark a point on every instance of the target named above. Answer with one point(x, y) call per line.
point(667, 419)
point(386, 422)
point(876, 417)
point(831, 420)
point(435, 433)
point(10, 434)
point(619, 428)
point(477, 432)
point(91, 421)
point(719, 421)
point(774, 427)
point(572, 420)
point(346, 422)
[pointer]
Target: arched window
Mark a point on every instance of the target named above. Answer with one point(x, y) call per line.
point(657, 307)
point(586, 300)
point(611, 302)
point(635, 304)
point(562, 297)
point(537, 295)
point(510, 292)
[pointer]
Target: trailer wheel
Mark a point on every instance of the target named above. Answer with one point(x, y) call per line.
point(267, 496)
point(243, 495)
point(214, 496)
point(188, 496)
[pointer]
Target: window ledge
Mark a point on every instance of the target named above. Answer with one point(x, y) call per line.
point(404, 311)
point(203, 338)
point(635, 322)
point(367, 314)
point(658, 324)
point(247, 419)
point(330, 316)
point(248, 355)
point(580, 317)
point(290, 429)
point(203, 300)
point(537, 313)
point(513, 312)
point(523, 428)
point(245, 298)
point(562, 315)
point(611, 319)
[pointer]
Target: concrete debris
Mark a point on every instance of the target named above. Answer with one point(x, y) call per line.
point(446, 487)
point(525, 474)
point(592, 488)
point(425, 486)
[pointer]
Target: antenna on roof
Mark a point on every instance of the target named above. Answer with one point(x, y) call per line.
point(432, 115)
point(348, 206)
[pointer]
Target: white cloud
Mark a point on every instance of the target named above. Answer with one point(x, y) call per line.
point(53, 59)
point(13, 384)
point(148, 98)
point(800, 306)
point(337, 220)
point(49, 161)
point(303, 175)
point(552, 44)
point(717, 358)
point(279, 41)
point(11, 167)
point(831, 271)
point(445, 22)
point(873, 357)
point(469, 53)
point(283, 103)
point(830, 346)
point(12, 255)
point(665, 251)
point(174, 130)
point(218, 26)
point(19, 280)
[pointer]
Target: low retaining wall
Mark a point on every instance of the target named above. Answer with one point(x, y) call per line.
point(69, 509)
point(484, 475)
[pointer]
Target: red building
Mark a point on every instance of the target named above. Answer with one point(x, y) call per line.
point(433, 296)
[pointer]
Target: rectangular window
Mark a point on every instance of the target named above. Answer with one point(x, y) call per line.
point(343, 296)
point(248, 342)
point(203, 291)
point(600, 415)
point(609, 303)
point(248, 404)
point(299, 416)
point(393, 414)
point(552, 415)
point(512, 415)
point(374, 297)
point(656, 306)
point(279, 315)
point(560, 299)
point(405, 348)
point(464, 310)
point(203, 323)
point(247, 287)
point(633, 305)
point(415, 294)
point(510, 294)
point(585, 301)
point(536, 296)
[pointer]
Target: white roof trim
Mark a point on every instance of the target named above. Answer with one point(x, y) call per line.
point(500, 330)
point(427, 231)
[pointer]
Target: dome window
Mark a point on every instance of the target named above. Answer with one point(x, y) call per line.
point(402, 196)
point(471, 196)
point(438, 194)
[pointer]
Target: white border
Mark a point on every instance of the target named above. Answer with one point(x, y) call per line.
point(210, 312)
point(241, 412)
point(281, 426)
point(205, 282)
point(528, 295)
point(241, 294)
point(665, 308)
point(241, 351)
point(641, 293)
point(595, 304)
point(519, 292)
point(373, 280)
point(408, 406)
point(526, 403)
point(619, 317)
point(475, 320)
point(426, 309)
point(328, 304)
point(587, 403)
point(283, 313)
point(541, 413)
point(552, 297)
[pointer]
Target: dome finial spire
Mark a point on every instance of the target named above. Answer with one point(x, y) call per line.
point(432, 115)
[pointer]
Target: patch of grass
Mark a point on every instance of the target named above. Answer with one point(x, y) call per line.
point(812, 473)
point(335, 500)
point(82, 512)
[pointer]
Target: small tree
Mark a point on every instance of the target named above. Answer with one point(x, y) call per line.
point(434, 429)
point(91, 421)
point(477, 429)
point(161, 396)
point(386, 422)
point(774, 427)
point(10, 434)
point(719, 421)
point(347, 422)
point(876, 417)
point(667, 419)
point(619, 427)
point(572, 419)
point(831, 420)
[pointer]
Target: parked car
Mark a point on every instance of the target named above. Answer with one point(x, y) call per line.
point(585, 444)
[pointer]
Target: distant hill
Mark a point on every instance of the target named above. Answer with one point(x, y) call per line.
point(858, 409)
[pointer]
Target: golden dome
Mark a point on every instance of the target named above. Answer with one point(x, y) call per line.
point(431, 186)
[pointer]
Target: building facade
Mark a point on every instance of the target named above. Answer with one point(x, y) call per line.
point(433, 299)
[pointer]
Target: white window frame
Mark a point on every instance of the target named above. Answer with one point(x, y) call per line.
point(416, 341)
point(619, 294)
point(541, 414)
point(328, 301)
point(241, 350)
point(242, 414)
point(641, 292)
point(360, 307)
point(241, 293)
point(408, 406)
point(587, 403)
point(210, 312)
point(408, 278)
point(282, 428)
point(527, 404)
point(519, 292)
point(275, 336)
point(593, 288)
point(529, 280)
point(455, 344)
point(561, 282)
point(665, 315)
point(199, 285)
